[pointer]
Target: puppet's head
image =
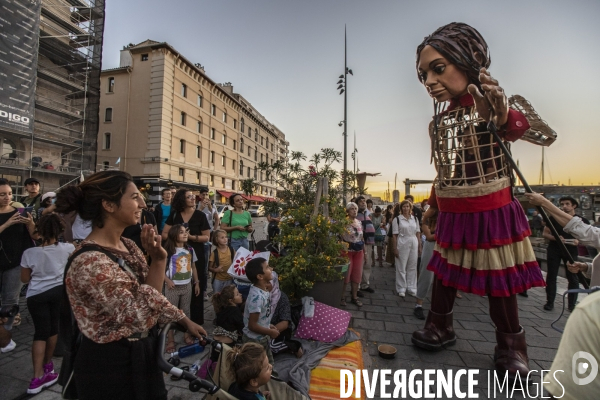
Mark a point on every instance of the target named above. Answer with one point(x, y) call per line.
point(462, 45)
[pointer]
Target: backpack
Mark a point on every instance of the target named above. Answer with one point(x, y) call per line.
point(70, 333)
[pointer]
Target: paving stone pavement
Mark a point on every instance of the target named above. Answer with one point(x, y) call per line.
point(384, 318)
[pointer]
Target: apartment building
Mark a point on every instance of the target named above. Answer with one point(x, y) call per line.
point(163, 120)
point(61, 146)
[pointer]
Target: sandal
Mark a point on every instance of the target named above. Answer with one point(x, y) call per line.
point(188, 339)
point(357, 302)
point(343, 303)
point(170, 347)
point(17, 320)
point(458, 295)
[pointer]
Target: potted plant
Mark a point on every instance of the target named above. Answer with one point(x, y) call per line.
point(312, 223)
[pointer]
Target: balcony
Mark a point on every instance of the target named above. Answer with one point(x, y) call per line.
point(23, 160)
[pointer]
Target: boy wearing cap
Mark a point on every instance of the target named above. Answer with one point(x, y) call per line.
point(554, 255)
point(33, 198)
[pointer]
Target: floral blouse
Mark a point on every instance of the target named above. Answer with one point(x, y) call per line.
point(110, 304)
point(354, 232)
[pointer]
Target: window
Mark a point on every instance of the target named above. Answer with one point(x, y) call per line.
point(249, 150)
point(213, 109)
point(233, 165)
point(224, 116)
point(198, 176)
point(106, 141)
point(267, 146)
point(106, 164)
point(272, 147)
point(111, 85)
point(144, 57)
point(267, 157)
point(255, 173)
point(108, 115)
point(181, 172)
point(182, 121)
point(262, 141)
point(199, 102)
point(261, 175)
point(224, 139)
point(256, 135)
point(223, 182)
point(241, 145)
point(248, 170)
point(255, 153)
point(242, 125)
point(261, 157)
point(212, 133)
point(182, 146)
point(199, 127)
point(212, 180)
point(212, 157)
point(234, 123)
point(235, 144)
point(222, 160)
point(199, 152)
point(184, 90)
point(241, 167)
point(249, 132)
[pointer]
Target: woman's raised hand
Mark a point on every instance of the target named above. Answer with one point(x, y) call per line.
point(152, 243)
point(493, 100)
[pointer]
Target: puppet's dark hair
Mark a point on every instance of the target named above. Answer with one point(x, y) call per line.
point(462, 45)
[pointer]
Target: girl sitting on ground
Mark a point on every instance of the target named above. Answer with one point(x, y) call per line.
point(181, 268)
point(42, 267)
point(230, 320)
point(250, 367)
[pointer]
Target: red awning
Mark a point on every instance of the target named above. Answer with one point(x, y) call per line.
point(225, 193)
point(254, 198)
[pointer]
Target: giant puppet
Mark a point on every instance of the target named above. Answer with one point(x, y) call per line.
point(482, 243)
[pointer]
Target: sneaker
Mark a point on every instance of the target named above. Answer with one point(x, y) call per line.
point(549, 306)
point(402, 294)
point(37, 384)
point(411, 293)
point(9, 347)
point(49, 368)
point(524, 294)
point(418, 312)
point(368, 290)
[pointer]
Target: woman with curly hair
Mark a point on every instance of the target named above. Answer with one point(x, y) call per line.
point(482, 243)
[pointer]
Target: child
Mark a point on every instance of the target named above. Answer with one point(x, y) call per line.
point(220, 260)
point(42, 267)
point(181, 267)
point(250, 367)
point(230, 320)
point(257, 315)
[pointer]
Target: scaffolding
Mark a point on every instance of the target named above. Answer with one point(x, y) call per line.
point(62, 146)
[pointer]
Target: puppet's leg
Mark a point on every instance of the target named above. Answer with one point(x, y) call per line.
point(510, 354)
point(439, 330)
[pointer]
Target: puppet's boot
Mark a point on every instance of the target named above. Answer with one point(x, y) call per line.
point(437, 334)
point(510, 355)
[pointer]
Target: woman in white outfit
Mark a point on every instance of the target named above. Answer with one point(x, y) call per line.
point(407, 236)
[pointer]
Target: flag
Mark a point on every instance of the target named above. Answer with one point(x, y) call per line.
point(118, 160)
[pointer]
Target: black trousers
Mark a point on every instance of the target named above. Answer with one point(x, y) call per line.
point(45, 310)
point(553, 259)
point(119, 370)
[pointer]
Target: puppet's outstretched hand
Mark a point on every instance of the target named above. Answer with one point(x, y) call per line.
point(493, 100)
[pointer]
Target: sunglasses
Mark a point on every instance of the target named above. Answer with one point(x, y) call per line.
point(190, 197)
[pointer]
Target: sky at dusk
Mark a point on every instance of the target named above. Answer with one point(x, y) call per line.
point(285, 58)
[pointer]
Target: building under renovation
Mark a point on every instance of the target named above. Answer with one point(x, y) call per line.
point(61, 144)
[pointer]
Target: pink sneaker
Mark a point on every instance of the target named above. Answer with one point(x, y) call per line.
point(37, 384)
point(49, 368)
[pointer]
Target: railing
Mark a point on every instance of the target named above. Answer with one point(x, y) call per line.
point(22, 159)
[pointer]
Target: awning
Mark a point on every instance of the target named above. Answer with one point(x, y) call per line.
point(254, 198)
point(225, 193)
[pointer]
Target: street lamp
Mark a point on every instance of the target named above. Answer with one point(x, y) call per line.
point(343, 88)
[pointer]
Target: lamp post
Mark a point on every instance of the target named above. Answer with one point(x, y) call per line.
point(343, 86)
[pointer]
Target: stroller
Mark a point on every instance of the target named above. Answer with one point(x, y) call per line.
point(216, 388)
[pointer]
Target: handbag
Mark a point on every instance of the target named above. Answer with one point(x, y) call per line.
point(356, 246)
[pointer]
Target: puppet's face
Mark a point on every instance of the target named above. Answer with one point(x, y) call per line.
point(442, 79)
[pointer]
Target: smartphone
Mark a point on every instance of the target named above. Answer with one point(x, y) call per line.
point(24, 211)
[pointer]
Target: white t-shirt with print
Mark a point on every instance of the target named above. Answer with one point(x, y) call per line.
point(179, 265)
point(259, 301)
